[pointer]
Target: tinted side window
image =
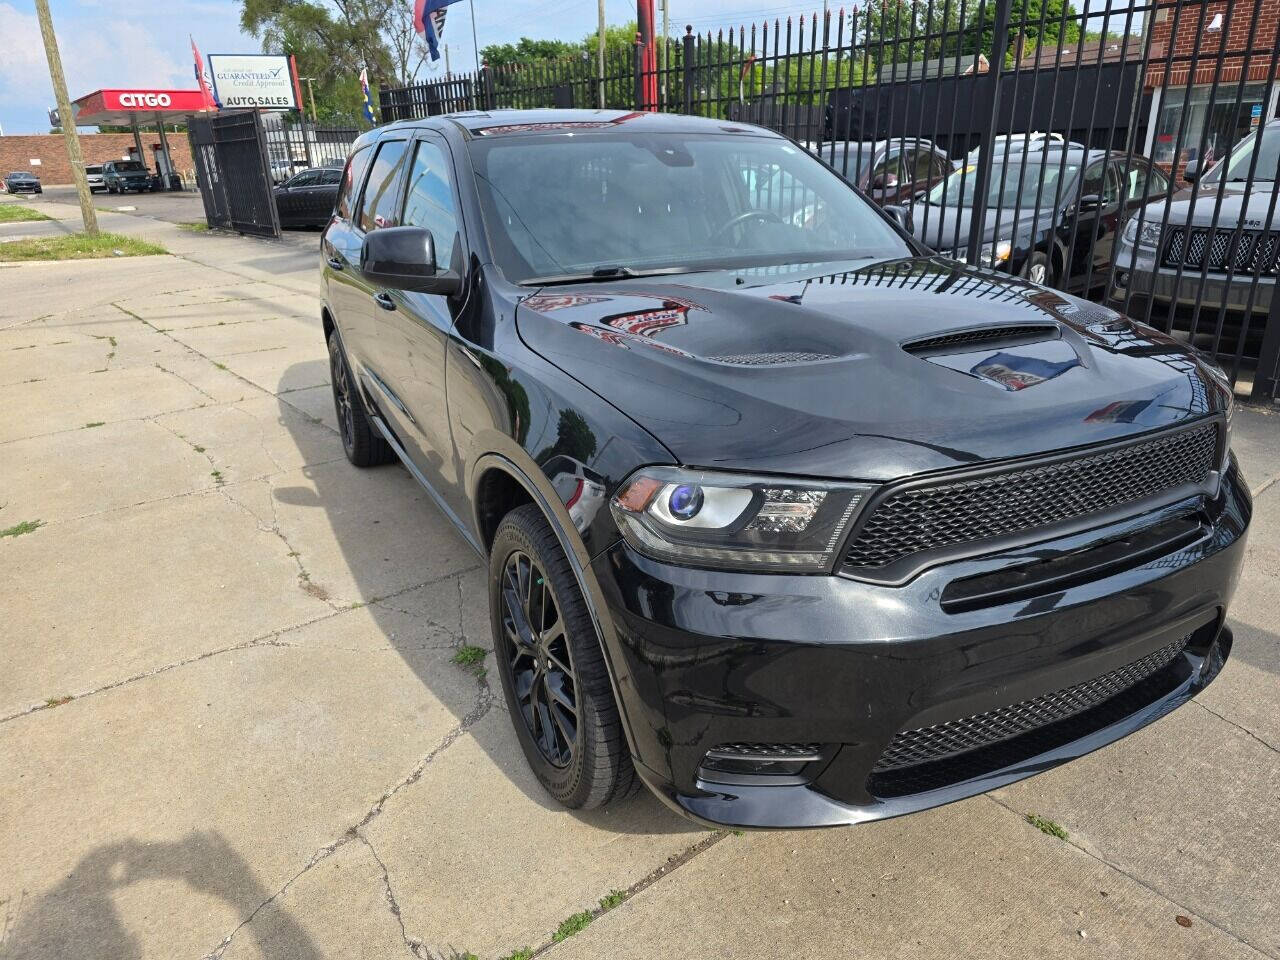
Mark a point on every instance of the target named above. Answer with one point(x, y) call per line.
point(1093, 180)
point(305, 179)
point(330, 177)
point(352, 176)
point(430, 202)
point(378, 204)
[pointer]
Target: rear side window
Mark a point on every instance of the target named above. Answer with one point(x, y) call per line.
point(351, 178)
point(378, 206)
point(330, 177)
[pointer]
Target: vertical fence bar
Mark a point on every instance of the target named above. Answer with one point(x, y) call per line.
point(1000, 44)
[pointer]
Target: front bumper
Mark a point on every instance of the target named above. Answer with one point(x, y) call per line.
point(706, 658)
point(1242, 292)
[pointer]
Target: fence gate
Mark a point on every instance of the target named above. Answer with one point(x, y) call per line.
point(231, 167)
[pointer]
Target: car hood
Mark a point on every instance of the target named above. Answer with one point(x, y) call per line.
point(945, 227)
point(1238, 204)
point(804, 372)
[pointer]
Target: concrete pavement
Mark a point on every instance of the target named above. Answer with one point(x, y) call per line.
point(231, 726)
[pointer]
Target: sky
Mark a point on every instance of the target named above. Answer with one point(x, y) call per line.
point(144, 43)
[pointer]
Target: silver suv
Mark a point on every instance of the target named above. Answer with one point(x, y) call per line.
point(1225, 229)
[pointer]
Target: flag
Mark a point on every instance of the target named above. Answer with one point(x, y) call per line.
point(203, 79)
point(428, 20)
point(364, 89)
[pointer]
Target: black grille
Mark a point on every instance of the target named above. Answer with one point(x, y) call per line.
point(1021, 500)
point(926, 744)
point(767, 751)
point(980, 337)
point(1252, 253)
point(770, 359)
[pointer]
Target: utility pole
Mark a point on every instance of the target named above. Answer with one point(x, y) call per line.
point(662, 71)
point(447, 72)
point(68, 118)
point(474, 42)
point(311, 92)
point(600, 53)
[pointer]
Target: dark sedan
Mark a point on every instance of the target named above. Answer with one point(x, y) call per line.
point(1052, 213)
point(889, 171)
point(19, 181)
point(792, 520)
point(306, 199)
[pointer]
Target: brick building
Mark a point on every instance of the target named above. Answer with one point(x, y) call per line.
point(1214, 42)
point(17, 152)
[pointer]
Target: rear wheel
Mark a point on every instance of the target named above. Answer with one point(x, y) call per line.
point(552, 668)
point(1038, 270)
point(361, 442)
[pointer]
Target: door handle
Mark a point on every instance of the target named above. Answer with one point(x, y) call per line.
point(335, 263)
point(384, 300)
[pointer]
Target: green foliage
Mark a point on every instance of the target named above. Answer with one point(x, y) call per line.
point(571, 925)
point(78, 246)
point(612, 899)
point(1047, 826)
point(18, 529)
point(12, 213)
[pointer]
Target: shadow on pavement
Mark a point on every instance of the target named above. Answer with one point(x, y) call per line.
point(78, 918)
point(351, 529)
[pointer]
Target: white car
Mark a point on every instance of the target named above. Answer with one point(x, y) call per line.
point(93, 173)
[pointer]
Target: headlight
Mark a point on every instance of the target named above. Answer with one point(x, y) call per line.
point(989, 256)
point(1148, 236)
point(712, 519)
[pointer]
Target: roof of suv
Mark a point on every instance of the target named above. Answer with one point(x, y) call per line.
point(503, 123)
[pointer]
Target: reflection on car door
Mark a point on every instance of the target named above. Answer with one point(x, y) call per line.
point(1091, 225)
point(413, 338)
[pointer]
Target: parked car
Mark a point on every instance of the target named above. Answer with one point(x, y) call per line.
point(93, 173)
point(889, 171)
point(1048, 211)
point(792, 520)
point(19, 181)
point(1181, 233)
point(1015, 143)
point(122, 176)
point(306, 199)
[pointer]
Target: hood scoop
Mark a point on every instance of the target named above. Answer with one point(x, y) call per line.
point(982, 338)
point(769, 359)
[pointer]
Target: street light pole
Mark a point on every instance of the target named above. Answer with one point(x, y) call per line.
point(87, 213)
point(600, 53)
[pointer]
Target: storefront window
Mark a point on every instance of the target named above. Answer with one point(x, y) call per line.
point(1226, 122)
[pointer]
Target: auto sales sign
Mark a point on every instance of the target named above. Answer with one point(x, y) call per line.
point(252, 80)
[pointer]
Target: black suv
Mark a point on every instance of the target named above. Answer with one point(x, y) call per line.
point(794, 521)
point(121, 176)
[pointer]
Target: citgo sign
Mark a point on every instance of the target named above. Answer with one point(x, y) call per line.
point(177, 101)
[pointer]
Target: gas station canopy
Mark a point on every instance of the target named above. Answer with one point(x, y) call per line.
point(123, 107)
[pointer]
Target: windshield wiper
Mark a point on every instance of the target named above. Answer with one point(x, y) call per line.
point(611, 271)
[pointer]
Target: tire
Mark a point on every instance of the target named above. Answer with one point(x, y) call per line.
point(1038, 270)
point(546, 645)
point(361, 442)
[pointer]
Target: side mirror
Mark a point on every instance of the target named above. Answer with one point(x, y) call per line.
point(1090, 201)
point(899, 213)
point(884, 181)
point(1191, 172)
point(404, 258)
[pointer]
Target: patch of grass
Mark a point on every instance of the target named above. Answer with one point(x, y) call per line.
point(58, 701)
point(18, 529)
point(11, 213)
point(612, 899)
point(194, 226)
point(78, 246)
point(198, 448)
point(469, 656)
point(95, 423)
point(217, 477)
point(220, 366)
point(571, 925)
point(1045, 825)
point(524, 953)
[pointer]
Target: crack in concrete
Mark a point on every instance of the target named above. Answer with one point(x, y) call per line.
point(1181, 907)
point(1245, 730)
point(484, 700)
point(414, 945)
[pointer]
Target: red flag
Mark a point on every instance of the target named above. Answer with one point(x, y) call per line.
point(202, 77)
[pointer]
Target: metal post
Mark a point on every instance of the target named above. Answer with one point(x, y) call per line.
point(137, 137)
point(474, 42)
point(982, 176)
point(666, 56)
point(688, 68)
point(1266, 383)
point(66, 117)
point(600, 52)
point(168, 155)
point(637, 69)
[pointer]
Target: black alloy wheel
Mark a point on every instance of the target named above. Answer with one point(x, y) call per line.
point(361, 442)
point(552, 666)
point(541, 664)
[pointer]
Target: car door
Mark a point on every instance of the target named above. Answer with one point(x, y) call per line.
point(321, 197)
point(414, 337)
point(1097, 203)
point(292, 194)
point(345, 291)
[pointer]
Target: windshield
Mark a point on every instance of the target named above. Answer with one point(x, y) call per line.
point(1237, 165)
point(1013, 184)
point(558, 206)
point(129, 166)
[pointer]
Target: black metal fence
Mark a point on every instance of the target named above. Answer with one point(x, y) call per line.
point(233, 173)
point(1125, 152)
point(292, 146)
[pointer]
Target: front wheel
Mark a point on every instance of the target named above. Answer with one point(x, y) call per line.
point(1037, 270)
point(361, 442)
point(552, 667)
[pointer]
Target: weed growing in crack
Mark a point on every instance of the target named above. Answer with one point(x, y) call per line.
point(95, 423)
point(571, 925)
point(18, 529)
point(218, 478)
point(524, 953)
point(612, 899)
point(198, 448)
point(1045, 825)
point(58, 701)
